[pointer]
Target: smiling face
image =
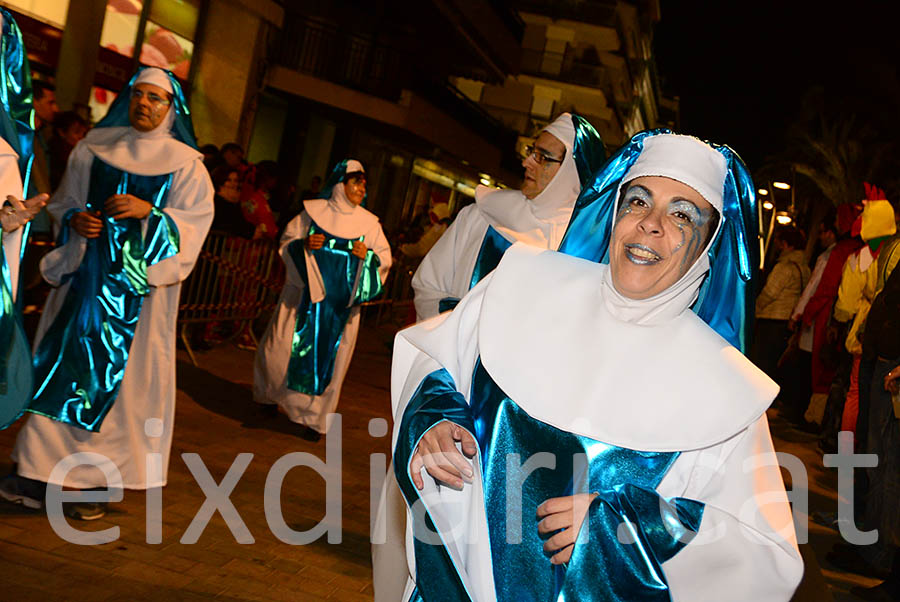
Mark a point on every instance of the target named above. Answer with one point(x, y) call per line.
point(355, 189)
point(661, 229)
point(539, 172)
point(148, 107)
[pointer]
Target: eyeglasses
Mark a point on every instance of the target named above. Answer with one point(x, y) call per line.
point(539, 156)
point(152, 97)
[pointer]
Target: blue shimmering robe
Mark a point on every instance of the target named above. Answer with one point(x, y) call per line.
point(726, 488)
point(147, 387)
point(81, 360)
point(306, 350)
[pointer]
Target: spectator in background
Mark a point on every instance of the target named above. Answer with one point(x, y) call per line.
point(815, 313)
point(45, 110)
point(45, 107)
point(232, 155)
point(315, 185)
point(229, 217)
point(210, 155)
point(776, 302)
point(257, 189)
point(68, 130)
point(439, 219)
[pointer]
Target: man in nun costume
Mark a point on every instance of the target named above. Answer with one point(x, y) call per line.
point(337, 257)
point(612, 440)
point(562, 158)
point(134, 208)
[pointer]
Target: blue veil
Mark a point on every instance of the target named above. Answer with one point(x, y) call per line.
point(726, 296)
point(17, 121)
point(588, 151)
point(182, 128)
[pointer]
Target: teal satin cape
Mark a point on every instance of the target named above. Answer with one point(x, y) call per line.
point(348, 282)
point(80, 362)
point(601, 567)
point(17, 128)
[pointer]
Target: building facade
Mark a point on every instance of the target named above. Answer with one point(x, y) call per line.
point(593, 57)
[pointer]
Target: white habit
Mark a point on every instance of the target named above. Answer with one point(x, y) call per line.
point(274, 353)
point(148, 387)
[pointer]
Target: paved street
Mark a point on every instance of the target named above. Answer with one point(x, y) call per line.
point(217, 419)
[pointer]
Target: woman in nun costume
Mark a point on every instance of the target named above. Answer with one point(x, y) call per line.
point(614, 443)
point(337, 257)
point(569, 148)
point(134, 207)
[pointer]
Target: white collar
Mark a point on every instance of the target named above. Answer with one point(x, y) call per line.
point(567, 360)
point(338, 216)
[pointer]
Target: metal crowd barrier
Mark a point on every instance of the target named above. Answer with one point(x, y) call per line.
point(234, 280)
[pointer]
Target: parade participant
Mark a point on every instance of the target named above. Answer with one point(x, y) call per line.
point(814, 311)
point(134, 208)
point(861, 280)
point(562, 158)
point(337, 257)
point(659, 451)
point(16, 139)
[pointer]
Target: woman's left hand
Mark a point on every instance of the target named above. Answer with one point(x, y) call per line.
point(359, 249)
point(566, 513)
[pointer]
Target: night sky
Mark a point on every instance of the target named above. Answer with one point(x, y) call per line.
point(741, 68)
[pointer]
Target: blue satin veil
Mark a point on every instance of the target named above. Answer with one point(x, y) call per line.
point(726, 297)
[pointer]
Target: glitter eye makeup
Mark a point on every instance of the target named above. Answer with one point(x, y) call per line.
point(637, 198)
point(689, 212)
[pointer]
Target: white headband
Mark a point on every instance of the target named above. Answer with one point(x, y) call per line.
point(155, 76)
point(563, 129)
point(685, 159)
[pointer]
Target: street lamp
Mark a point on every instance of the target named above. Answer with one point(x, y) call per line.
point(768, 206)
point(781, 185)
point(783, 218)
point(762, 192)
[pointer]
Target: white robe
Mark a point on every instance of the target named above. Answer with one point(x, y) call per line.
point(274, 353)
point(745, 548)
point(446, 270)
point(11, 184)
point(148, 387)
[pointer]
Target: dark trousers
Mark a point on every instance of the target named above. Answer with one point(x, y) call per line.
point(769, 342)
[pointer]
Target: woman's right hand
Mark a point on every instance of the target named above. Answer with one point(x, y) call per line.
point(315, 241)
point(437, 452)
point(87, 223)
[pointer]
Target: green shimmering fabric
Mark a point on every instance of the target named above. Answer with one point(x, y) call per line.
point(80, 363)
point(348, 282)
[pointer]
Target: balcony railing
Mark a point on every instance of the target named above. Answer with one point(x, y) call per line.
point(356, 60)
point(564, 67)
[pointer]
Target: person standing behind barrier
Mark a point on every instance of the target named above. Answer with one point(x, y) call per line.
point(134, 208)
point(778, 298)
point(337, 257)
point(229, 217)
